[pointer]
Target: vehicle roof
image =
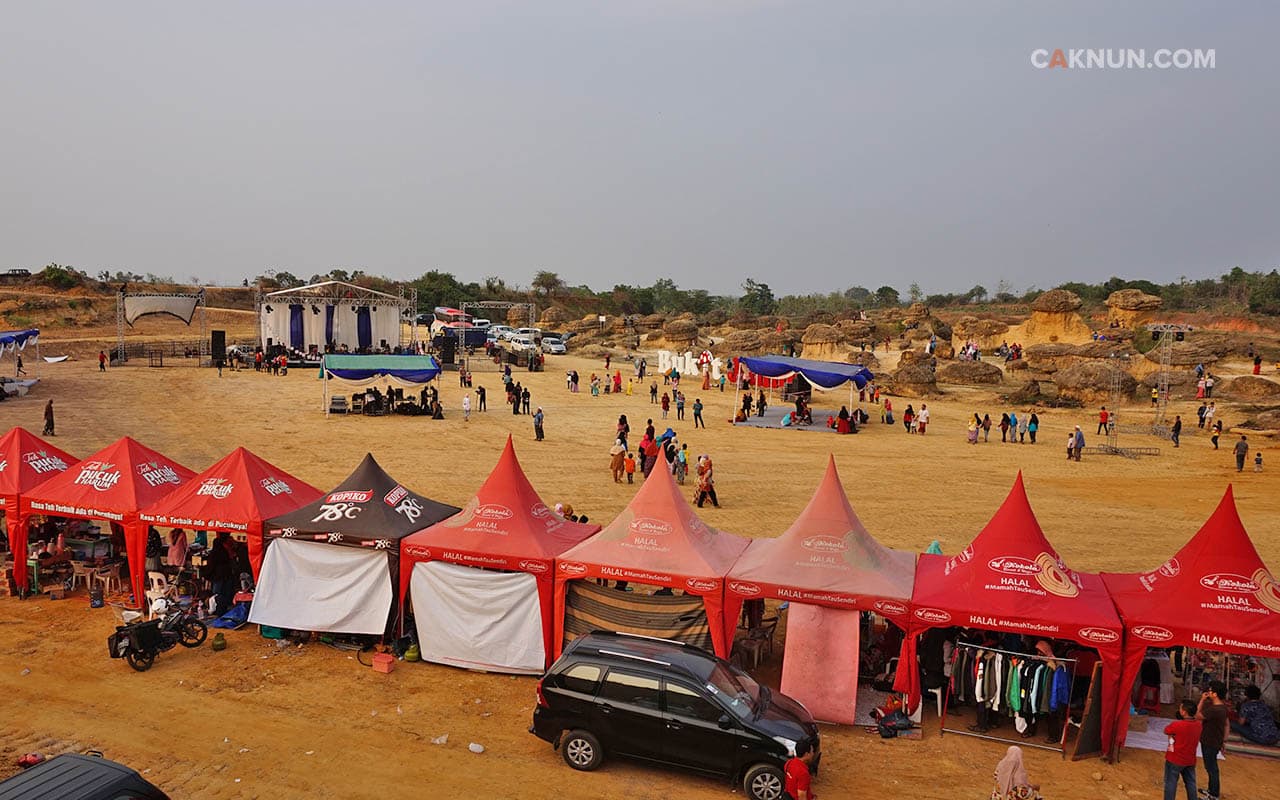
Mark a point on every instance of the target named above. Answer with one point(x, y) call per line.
point(76, 777)
point(644, 651)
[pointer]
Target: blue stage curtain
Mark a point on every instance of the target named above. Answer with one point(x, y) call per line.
point(295, 326)
point(364, 327)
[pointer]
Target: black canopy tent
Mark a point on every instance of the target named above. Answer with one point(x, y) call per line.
point(331, 565)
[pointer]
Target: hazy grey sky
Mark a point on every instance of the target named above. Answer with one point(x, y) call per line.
point(812, 146)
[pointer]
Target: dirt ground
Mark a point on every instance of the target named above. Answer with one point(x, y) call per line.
point(258, 721)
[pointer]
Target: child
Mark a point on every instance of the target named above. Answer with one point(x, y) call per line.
point(1257, 461)
point(629, 464)
point(682, 464)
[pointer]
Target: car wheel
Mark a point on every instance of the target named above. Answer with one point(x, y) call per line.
point(763, 782)
point(582, 751)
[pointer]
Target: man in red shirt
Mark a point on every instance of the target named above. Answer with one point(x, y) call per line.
point(1180, 758)
point(796, 771)
point(1103, 416)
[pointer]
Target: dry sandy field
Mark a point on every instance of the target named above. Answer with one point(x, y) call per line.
point(256, 721)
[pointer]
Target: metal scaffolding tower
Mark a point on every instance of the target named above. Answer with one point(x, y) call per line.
point(1167, 334)
point(1115, 396)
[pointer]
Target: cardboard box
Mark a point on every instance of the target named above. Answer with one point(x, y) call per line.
point(383, 662)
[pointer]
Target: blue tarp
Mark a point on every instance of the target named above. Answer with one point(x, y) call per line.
point(411, 369)
point(823, 374)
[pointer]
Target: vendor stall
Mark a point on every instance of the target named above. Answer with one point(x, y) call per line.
point(331, 565)
point(113, 484)
point(659, 541)
point(26, 461)
point(1010, 580)
point(828, 564)
point(1214, 594)
point(480, 582)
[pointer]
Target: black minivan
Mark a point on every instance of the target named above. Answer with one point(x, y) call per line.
point(672, 703)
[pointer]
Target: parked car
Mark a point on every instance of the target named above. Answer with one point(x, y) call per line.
point(670, 703)
point(481, 323)
point(79, 777)
point(520, 344)
point(533, 333)
point(552, 345)
point(501, 331)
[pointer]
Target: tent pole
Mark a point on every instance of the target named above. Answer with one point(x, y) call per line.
point(737, 392)
point(326, 388)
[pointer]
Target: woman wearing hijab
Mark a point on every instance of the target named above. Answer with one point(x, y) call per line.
point(617, 454)
point(177, 556)
point(706, 482)
point(1012, 782)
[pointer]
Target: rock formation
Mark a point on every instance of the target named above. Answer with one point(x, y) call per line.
point(1131, 308)
point(970, 373)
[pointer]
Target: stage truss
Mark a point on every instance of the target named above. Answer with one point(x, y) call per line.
point(121, 353)
point(335, 292)
point(1115, 396)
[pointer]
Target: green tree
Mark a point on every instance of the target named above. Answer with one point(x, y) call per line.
point(859, 295)
point(548, 283)
point(1264, 295)
point(436, 288)
point(887, 296)
point(976, 295)
point(758, 297)
point(913, 293)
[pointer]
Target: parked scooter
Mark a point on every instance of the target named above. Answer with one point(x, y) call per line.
point(140, 642)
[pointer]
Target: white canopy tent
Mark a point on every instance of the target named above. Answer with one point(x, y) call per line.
point(336, 313)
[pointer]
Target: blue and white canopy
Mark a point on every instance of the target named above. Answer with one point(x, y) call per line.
point(410, 369)
point(17, 340)
point(822, 374)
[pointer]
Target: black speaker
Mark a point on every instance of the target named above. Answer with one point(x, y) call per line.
point(448, 349)
point(1155, 336)
point(217, 345)
point(1179, 337)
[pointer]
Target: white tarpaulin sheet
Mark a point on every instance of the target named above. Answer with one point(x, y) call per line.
point(182, 306)
point(478, 619)
point(312, 586)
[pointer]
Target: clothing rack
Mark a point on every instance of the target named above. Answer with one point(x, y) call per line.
point(1022, 742)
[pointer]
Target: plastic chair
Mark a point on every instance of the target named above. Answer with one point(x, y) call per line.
point(158, 588)
point(82, 572)
point(109, 577)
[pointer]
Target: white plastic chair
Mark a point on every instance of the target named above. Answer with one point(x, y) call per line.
point(158, 588)
point(80, 571)
point(109, 577)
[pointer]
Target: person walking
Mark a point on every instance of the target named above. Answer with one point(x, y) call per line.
point(1180, 757)
point(102, 361)
point(480, 398)
point(1175, 431)
point(629, 466)
point(537, 424)
point(1032, 426)
point(653, 393)
point(617, 460)
point(1023, 424)
point(1217, 432)
point(679, 405)
point(908, 417)
point(1241, 451)
point(761, 405)
point(1210, 413)
point(986, 429)
point(622, 431)
point(1200, 414)
point(1102, 421)
point(666, 404)
point(20, 371)
point(922, 419)
point(1013, 427)
point(524, 399)
point(698, 422)
point(48, 418)
point(1212, 713)
point(1079, 443)
point(1004, 427)
point(466, 408)
point(886, 412)
point(706, 482)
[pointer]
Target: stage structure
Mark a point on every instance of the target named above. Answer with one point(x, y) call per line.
point(335, 313)
point(132, 306)
point(1167, 334)
point(1115, 397)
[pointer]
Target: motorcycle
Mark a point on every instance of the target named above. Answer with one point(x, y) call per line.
point(140, 642)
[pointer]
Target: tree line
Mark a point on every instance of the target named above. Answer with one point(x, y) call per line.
point(1237, 291)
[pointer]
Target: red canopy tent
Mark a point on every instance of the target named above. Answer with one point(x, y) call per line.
point(237, 494)
point(1214, 594)
point(504, 526)
point(1011, 579)
point(26, 461)
point(657, 540)
point(114, 484)
point(826, 559)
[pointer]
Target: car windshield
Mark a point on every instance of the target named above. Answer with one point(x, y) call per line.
point(737, 690)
